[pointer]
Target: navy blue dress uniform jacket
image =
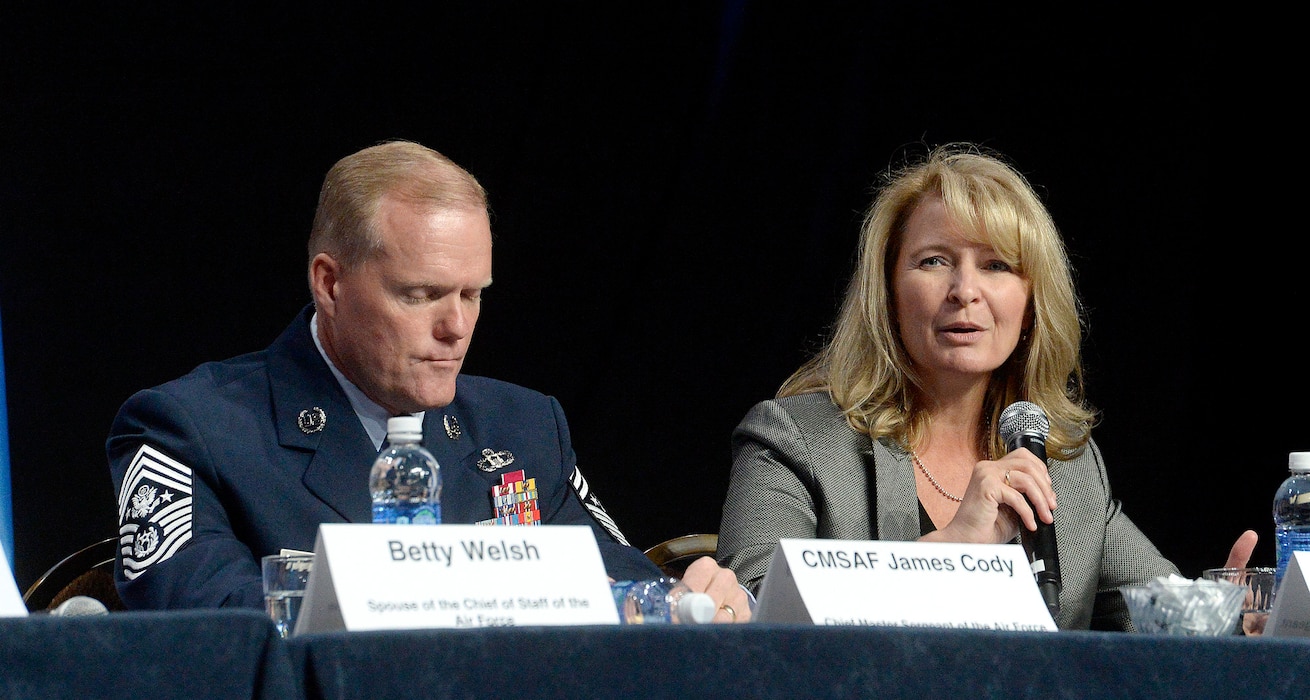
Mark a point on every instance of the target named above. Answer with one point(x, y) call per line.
point(245, 457)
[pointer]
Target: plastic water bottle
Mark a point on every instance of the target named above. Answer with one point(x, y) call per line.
point(661, 601)
point(406, 480)
point(1292, 512)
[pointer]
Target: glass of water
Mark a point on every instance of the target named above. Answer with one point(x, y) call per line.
point(1259, 599)
point(285, 578)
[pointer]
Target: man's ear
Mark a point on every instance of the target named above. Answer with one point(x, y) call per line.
point(324, 275)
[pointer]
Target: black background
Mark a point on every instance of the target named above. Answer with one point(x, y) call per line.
point(677, 189)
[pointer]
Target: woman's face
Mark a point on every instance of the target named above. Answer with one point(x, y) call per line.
point(960, 309)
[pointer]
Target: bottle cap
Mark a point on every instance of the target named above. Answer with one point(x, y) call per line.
point(1298, 461)
point(696, 607)
point(405, 426)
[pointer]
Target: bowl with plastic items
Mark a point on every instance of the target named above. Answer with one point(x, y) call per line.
point(1181, 606)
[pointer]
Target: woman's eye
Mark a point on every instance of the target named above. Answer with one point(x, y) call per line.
point(933, 261)
point(999, 266)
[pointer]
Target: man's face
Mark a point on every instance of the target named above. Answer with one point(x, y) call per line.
point(398, 325)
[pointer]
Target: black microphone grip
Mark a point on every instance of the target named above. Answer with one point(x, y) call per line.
point(1043, 556)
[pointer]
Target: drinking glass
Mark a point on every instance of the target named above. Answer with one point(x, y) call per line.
point(285, 578)
point(1259, 600)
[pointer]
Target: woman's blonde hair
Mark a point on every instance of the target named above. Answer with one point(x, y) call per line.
point(864, 366)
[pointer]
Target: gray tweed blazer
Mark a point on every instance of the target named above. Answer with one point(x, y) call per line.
point(799, 471)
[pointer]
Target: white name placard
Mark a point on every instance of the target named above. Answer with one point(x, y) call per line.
point(1290, 616)
point(11, 602)
point(902, 584)
point(372, 577)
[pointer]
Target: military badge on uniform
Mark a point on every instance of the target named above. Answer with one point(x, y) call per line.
point(515, 500)
point(452, 426)
point(311, 420)
point(154, 508)
point(492, 460)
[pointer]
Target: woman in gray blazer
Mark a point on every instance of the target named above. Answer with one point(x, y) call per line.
point(963, 302)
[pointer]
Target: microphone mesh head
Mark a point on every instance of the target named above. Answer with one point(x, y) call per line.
point(80, 605)
point(1024, 418)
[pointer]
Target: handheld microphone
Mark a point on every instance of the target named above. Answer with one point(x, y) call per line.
point(80, 605)
point(1024, 424)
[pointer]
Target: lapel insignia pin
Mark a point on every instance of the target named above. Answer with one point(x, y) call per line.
point(311, 420)
point(452, 426)
point(492, 460)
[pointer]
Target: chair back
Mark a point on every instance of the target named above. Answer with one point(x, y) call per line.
point(87, 572)
point(675, 555)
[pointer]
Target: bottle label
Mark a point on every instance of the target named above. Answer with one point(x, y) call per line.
point(426, 515)
point(407, 514)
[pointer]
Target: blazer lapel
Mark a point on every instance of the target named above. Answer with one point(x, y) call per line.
point(304, 392)
point(465, 490)
point(898, 500)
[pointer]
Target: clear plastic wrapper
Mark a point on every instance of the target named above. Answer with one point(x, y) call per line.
point(1177, 605)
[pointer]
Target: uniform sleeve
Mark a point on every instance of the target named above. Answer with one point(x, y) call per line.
point(578, 504)
point(176, 544)
point(768, 498)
